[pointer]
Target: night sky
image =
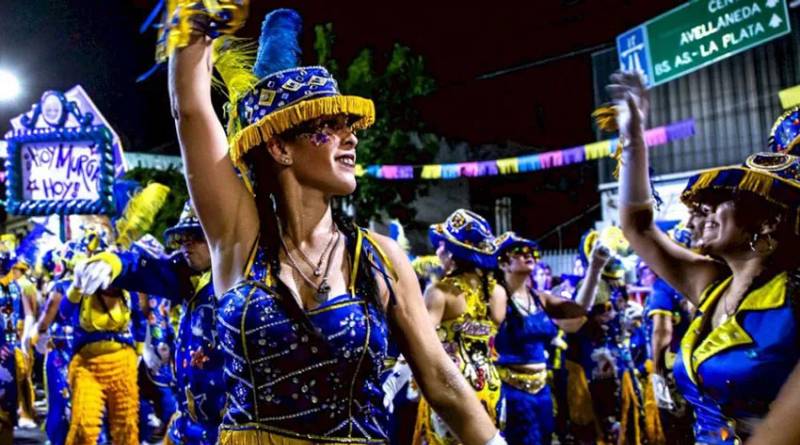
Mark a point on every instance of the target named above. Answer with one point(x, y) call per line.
point(56, 44)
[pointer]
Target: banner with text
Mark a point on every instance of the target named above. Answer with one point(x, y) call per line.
point(698, 34)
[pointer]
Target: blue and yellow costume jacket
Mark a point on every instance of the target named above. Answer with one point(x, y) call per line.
point(731, 374)
point(667, 301)
point(198, 359)
point(296, 375)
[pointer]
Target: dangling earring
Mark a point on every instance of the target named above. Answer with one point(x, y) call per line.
point(771, 243)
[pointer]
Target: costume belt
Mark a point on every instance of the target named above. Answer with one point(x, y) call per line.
point(529, 382)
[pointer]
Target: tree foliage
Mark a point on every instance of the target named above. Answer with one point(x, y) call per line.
point(393, 81)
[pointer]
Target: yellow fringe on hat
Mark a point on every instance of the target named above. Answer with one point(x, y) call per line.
point(757, 183)
point(140, 213)
point(283, 119)
point(606, 118)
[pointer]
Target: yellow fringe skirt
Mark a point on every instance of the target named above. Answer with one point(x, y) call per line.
point(262, 437)
point(104, 381)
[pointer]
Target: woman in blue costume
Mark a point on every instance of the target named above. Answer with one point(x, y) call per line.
point(54, 338)
point(184, 277)
point(306, 298)
point(522, 341)
point(10, 314)
point(743, 344)
point(604, 397)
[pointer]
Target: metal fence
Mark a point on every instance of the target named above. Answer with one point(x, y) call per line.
point(733, 102)
point(560, 261)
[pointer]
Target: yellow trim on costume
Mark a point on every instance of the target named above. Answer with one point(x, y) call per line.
point(729, 334)
point(530, 383)
point(285, 118)
point(356, 259)
point(202, 281)
point(74, 295)
point(660, 312)
point(382, 255)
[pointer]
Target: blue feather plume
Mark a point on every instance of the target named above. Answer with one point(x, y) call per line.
point(278, 48)
point(29, 246)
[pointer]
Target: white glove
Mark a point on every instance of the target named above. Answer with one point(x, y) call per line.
point(42, 342)
point(91, 276)
point(633, 310)
point(149, 354)
point(661, 392)
point(27, 339)
point(401, 374)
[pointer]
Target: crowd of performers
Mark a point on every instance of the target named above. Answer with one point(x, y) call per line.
point(277, 320)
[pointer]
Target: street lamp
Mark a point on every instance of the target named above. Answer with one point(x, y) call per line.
point(10, 88)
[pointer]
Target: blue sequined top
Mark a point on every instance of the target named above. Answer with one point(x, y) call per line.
point(312, 376)
point(732, 373)
point(524, 337)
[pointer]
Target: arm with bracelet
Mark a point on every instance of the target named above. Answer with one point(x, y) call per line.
point(687, 272)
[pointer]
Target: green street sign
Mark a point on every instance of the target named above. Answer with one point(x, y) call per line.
point(700, 33)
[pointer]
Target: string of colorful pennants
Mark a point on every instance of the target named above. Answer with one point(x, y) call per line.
point(527, 163)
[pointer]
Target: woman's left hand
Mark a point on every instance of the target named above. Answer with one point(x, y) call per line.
point(632, 102)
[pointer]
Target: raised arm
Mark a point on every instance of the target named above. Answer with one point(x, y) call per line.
point(687, 272)
point(587, 290)
point(225, 208)
point(440, 381)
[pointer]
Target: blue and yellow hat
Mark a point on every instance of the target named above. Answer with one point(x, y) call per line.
point(785, 134)
point(614, 239)
point(510, 239)
point(274, 94)
point(468, 237)
point(774, 177)
point(188, 226)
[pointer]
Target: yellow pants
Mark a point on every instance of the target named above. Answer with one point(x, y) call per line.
point(99, 382)
point(25, 394)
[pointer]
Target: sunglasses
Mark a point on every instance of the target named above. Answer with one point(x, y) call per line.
point(320, 129)
point(524, 251)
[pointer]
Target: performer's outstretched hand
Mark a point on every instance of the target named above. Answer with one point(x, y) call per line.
point(631, 99)
point(91, 276)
